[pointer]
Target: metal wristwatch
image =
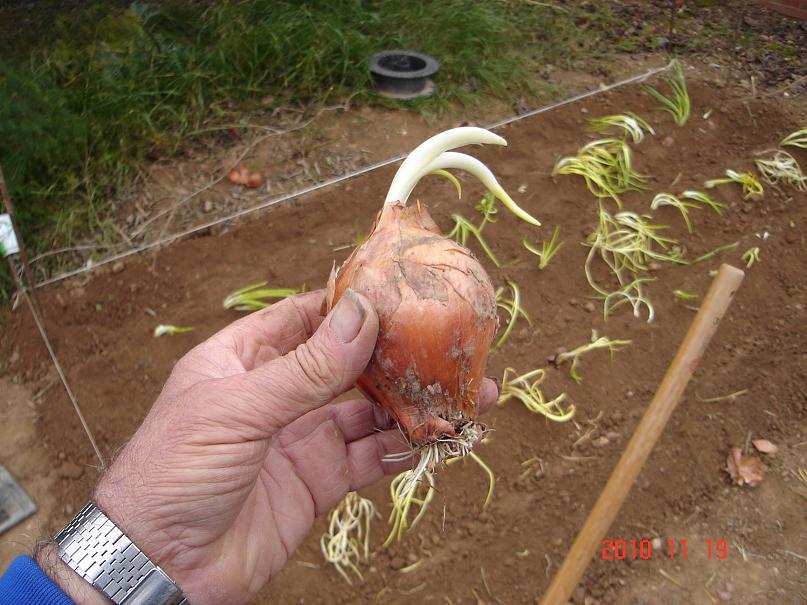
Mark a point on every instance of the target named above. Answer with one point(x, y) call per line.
point(97, 550)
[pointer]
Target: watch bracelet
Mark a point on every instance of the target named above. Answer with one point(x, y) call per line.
point(97, 550)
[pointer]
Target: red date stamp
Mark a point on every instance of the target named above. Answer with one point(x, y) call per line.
point(644, 550)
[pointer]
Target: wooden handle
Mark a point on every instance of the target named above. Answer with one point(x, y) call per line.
point(647, 433)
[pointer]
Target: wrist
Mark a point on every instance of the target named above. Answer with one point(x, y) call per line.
point(74, 586)
point(134, 515)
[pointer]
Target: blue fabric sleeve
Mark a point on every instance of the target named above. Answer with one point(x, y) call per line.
point(24, 583)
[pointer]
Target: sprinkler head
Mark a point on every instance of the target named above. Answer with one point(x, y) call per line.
point(403, 74)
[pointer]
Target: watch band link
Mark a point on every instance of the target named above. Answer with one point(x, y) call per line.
point(97, 550)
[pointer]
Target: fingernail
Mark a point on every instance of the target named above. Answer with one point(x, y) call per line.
point(348, 317)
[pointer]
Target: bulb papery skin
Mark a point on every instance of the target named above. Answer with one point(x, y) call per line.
point(437, 318)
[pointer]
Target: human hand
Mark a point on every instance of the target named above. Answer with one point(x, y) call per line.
point(244, 447)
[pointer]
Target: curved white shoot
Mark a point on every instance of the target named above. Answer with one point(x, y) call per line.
point(461, 161)
point(410, 171)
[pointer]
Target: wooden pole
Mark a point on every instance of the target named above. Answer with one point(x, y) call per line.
point(646, 435)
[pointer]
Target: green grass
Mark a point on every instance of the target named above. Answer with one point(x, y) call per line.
point(115, 89)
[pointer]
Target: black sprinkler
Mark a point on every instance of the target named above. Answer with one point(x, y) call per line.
point(403, 74)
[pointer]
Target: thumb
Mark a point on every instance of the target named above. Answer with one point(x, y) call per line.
point(317, 371)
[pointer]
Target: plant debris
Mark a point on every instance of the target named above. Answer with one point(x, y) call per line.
point(748, 470)
point(244, 176)
point(765, 446)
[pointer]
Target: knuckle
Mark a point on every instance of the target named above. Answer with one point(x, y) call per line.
point(319, 369)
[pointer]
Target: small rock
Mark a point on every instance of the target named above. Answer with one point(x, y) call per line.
point(588, 307)
point(15, 356)
point(558, 351)
point(207, 207)
point(60, 300)
point(601, 441)
point(62, 455)
point(118, 267)
point(667, 141)
point(398, 562)
point(726, 593)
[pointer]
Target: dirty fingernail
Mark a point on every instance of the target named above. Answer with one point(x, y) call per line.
point(348, 317)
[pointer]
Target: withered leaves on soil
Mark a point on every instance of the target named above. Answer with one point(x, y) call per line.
point(765, 446)
point(744, 469)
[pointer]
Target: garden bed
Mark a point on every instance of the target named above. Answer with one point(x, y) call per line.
point(102, 327)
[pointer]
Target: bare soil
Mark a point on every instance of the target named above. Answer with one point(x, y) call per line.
point(101, 326)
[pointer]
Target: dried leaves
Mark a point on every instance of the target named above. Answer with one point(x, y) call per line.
point(765, 446)
point(744, 469)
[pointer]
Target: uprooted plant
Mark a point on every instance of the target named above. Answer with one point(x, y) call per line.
point(527, 389)
point(781, 167)
point(255, 296)
point(463, 228)
point(626, 242)
point(548, 249)
point(796, 139)
point(437, 313)
point(684, 202)
point(630, 123)
point(751, 186)
point(597, 342)
point(677, 103)
point(606, 165)
point(171, 330)
point(512, 306)
point(751, 256)
point(346, 542)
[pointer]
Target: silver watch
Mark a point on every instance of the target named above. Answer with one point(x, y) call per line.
point(97, 550)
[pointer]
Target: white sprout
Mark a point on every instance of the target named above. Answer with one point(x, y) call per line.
point(461, 161)
point(430, 156)
point(170, 330)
